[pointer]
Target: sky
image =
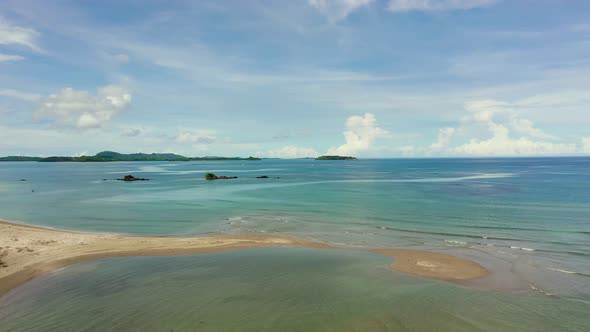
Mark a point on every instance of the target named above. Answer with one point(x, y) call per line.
point(298, 78)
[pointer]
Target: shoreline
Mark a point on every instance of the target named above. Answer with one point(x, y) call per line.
point(28, 251)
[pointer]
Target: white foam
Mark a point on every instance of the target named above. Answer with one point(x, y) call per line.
point(441, 179)
point(456, 242)
point(563, 271)
point(536, 289)
point(522, 248)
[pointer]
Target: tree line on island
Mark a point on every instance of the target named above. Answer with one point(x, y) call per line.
point(106, 156)
point(336, 158)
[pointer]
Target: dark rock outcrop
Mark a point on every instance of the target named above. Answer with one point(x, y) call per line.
point(128, 178)
point(211, 176)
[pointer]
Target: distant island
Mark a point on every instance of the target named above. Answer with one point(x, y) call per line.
point(106, 156)
point(335, 158)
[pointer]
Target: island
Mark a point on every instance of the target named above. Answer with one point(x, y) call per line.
point(106, 156)
point(336, 158)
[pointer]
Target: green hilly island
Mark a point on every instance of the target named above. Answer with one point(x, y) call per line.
point(106, 156)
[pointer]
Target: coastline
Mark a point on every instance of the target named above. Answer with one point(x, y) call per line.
point(28, 251)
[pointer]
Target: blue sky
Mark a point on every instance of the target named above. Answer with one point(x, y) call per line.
point(370, 78)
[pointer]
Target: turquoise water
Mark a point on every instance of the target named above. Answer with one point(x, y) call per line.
point(525, 219)
point(271, 290)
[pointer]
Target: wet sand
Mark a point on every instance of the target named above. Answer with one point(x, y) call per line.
point(432, 264)
point(27, 252)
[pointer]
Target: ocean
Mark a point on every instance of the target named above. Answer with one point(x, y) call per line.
point(525, 219)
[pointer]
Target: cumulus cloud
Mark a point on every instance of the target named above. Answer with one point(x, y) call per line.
point(487, 111)
point(511, 135)
point(586, 145)
point(436, 5)
point(501, 144)
point(288, 152)
point(336, 10)
point(360, 134)
point(11, 34)
point(10, 57)
point(26, 96)
point(444, 139)
point(83, 110)
point(527, 127)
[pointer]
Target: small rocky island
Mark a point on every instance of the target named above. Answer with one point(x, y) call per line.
point(211, 176)
point(336, 158)
point(128, 178)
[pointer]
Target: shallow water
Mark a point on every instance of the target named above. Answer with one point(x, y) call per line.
point(525, 219)
point(277, 289)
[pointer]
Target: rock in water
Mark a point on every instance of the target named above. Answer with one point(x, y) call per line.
point(211, 176)
point(132, 178)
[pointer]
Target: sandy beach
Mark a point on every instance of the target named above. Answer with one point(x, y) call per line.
point(28, 251)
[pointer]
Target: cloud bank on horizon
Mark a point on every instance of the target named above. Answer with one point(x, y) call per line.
point(368, 78)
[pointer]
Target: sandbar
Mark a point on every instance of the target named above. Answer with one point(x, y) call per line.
point(433, 264)
point(29, 251)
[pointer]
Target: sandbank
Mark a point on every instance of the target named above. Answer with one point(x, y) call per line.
point(433, 264)
point(29, 251)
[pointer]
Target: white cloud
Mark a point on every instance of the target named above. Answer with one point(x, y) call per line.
point(526, 127)
point(196, 137)
point(498, 118)
point(444, 138)
point(14, 35)
point(501, 144)
point(360, 133)
point(289, 152)
point(487, 111)
point(436, 5)
point(336, 10)
point(132, 132)
point(484, 110)
point(10, 57)
point(82, 110)
point(408, 150)
point(586, 145)
point(26, 96)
